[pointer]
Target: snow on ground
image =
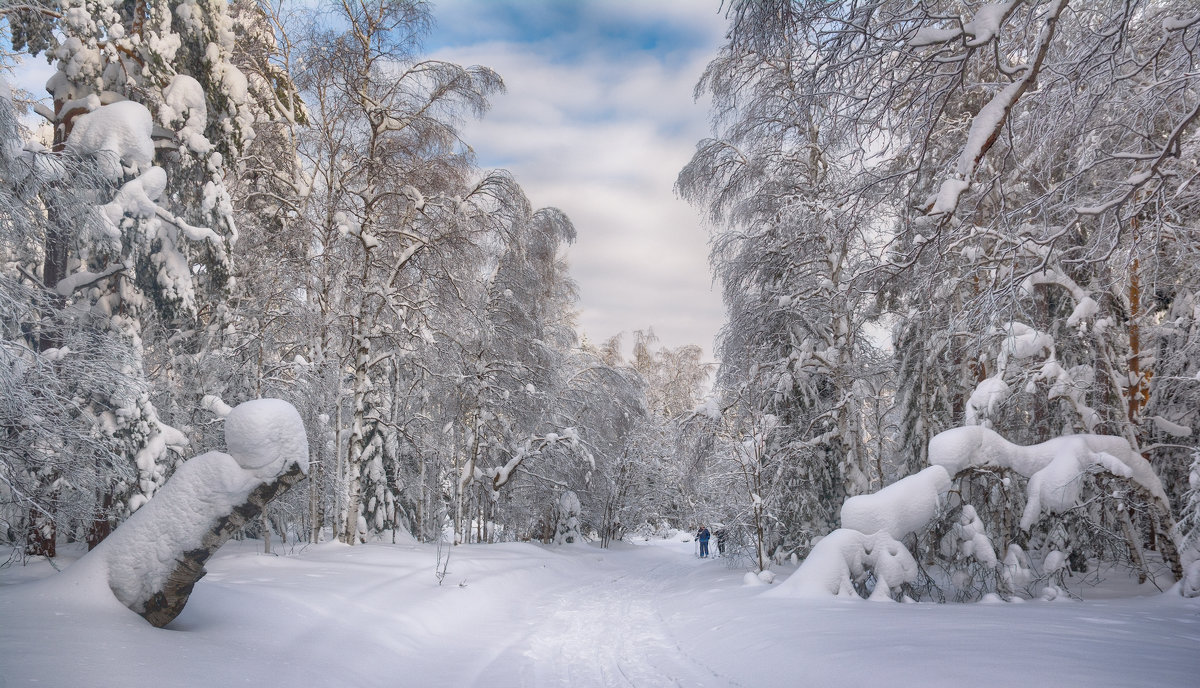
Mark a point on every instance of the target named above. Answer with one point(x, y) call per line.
point(647, 614)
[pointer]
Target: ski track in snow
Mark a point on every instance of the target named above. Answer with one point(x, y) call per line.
point(527, 616)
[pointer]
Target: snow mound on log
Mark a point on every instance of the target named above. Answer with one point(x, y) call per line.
point(903, 507)
point(1053, 467)
point(266, 437)
point(265, 434)
point(142, 552)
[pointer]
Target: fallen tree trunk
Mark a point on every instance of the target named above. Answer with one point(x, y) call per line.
point(166, 604)
point(152, 562)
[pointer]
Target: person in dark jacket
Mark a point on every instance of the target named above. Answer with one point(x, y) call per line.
point(720, 541)
point(703, 536)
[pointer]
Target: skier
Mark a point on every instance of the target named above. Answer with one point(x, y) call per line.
point(720, 541)
point(703, 536)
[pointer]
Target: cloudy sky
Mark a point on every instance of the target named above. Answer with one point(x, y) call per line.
point(597, 120)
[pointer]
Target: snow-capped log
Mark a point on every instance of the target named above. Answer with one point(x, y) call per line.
point(1054, 468)
point(152, 562)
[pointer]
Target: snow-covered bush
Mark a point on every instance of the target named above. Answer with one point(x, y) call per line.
point(955, 540)
point(848, 563)
point(1063, 495)
point(865, 557)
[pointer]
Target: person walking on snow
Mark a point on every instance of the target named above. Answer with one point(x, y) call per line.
point(703, 536)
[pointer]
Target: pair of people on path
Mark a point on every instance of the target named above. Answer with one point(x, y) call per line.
point(703, 536)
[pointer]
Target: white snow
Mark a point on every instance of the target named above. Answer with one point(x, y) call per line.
point(568, 510)
point(930, 35)
point(1170, 428)
point(373, 616)
point(985, 401)
point(265, 435)
point(215, 405)
point(967, 539)
point(985, 123)
point(137, 197)
point(1055, 561)
point(1086, 309)
point(1070, 384)
point(1022, 341)
point(985, 25)
point(903, 507)
point(1190, 585)
point(119, 134)
point(1056, 488)
point(947, 197)
point(1016, 572)
point(845, 557)
point(185, 106)
point(1179, 23)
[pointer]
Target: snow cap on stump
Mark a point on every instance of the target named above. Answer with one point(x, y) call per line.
point(264, 435)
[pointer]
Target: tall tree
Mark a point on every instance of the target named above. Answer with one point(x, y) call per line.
point(788, 256)
point(396, 199)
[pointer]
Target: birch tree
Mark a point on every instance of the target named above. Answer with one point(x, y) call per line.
point(394, 177)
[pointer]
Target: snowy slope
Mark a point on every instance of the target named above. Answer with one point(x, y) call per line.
point(527, 615)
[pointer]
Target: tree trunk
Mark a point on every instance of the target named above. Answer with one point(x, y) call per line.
point(1132, 541)
point(101, 526)
point(164, 605)
point(315, 518)
point(358, 434)
point(42, 531)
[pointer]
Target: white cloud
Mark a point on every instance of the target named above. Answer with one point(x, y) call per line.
point(602, 133)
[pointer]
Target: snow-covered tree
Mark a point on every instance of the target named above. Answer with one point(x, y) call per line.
point(1009, 180)
point(52, 461)
point(160, 76)
point(787, 255)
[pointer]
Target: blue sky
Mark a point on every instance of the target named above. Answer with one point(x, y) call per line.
point(597, 120)
point(577, 30)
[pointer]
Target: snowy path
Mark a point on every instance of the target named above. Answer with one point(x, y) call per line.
point(608, 632)
point(527, 616)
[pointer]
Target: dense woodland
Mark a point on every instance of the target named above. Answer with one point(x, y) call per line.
point(924, 215)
